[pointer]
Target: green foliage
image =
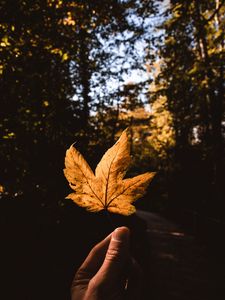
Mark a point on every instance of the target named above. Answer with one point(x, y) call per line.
point(56, 58)
point(191, 55)
point(63, 72)
point(191, 68)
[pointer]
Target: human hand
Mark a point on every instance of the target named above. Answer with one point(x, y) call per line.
point(108, 272)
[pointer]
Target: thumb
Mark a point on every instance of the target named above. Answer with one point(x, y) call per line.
point(116, 256)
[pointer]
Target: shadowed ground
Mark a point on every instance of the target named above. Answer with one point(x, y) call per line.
point(181, 267)
point(40, 252)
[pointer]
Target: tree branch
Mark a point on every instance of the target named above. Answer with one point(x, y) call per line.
point(215, 12)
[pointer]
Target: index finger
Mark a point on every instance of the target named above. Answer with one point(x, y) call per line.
point(94, 259)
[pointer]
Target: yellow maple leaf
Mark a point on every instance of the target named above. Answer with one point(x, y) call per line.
point(106, 189)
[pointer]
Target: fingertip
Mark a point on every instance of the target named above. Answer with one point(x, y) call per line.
point(121, 234)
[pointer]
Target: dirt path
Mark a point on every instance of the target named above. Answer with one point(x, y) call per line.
point(181, 267)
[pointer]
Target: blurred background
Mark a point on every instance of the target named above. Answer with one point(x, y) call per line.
point(83, 71)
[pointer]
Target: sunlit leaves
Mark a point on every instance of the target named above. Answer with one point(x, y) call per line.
point(162, 135)
point(55, 3)
point(9, 135)
point(48, 50)
point(68, 20)
point(1, 189)
point(5, 42)
point(190, 77)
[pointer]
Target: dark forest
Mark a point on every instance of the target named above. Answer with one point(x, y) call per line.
point(81, 72)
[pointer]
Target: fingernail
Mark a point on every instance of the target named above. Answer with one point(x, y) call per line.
point(121, 234)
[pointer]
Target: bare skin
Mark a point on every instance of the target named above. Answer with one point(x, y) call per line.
point(109, 272)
